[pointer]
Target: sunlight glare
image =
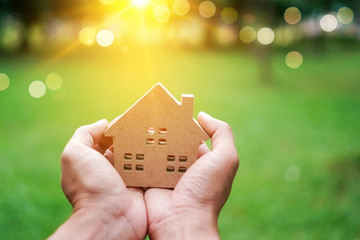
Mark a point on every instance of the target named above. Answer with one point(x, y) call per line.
point(37, 89)
point(140, 3)
point(105, 38)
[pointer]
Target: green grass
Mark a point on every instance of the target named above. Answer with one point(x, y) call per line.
point(309, 117)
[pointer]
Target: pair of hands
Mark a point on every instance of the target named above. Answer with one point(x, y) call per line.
point(104, 208)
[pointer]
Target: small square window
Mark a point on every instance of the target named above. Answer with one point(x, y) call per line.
point(139, 168)
point(150, 141)
point(162, 141)
point(170, 169)
point(182, 169)
point(150, 130)
point(162, 130)
point(171, 158)
point(128, 156)
point(140, 157)
point(182, 158)
point(127, 167)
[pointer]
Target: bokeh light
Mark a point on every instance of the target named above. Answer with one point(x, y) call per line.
point(107, 2)
point(188, 31)
point(207, 9)
point(4, 81)
point(161, 13)
point(292, 174)
point(225, 35)
point(328, 23)
point(53, 81)
point(247, 34)
point(37, 89)
point(229, 15)
point(87, 36)
point(294, 59)
point(265, 36)
point(345, 15)
point(292, 15)
point(11, 35)
point(140, 3)
point(181, 7)
point(105, 38)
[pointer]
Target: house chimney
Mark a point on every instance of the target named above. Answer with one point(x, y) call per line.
point(187, 101)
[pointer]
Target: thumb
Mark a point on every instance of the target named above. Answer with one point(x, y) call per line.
point(91, 134)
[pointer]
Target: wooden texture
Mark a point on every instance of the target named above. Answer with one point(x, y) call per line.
point(156, 140)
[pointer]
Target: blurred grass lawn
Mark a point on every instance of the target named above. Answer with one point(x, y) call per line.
point(309, 117)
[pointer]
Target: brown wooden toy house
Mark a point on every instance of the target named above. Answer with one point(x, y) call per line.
point(156, 140)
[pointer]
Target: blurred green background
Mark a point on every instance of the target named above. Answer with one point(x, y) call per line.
point(296, 118)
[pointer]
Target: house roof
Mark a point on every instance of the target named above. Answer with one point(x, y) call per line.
point(158, 99)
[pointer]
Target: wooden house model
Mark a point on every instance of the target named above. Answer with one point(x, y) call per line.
point(156, 140)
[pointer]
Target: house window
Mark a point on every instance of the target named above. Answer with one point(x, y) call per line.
point(150, 130)
point(162, 141)
point(171, 158)
point(140, 157)
point(127, 167)
point(182, 158)
point(162, 130)
point(170, 169)
point(150, 141)
point(139, 168)
point(128, 156)
point(182, 169)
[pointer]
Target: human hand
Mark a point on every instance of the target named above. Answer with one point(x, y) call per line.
point(103, 207)
point(191, 210)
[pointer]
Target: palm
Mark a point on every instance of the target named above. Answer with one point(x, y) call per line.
point(205, 187)
point(90, 181)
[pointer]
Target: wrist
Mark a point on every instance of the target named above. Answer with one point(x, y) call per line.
point(188, 224)
point(96, 222)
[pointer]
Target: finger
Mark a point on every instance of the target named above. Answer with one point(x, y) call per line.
point(109, 155)
point(91, 134)
point(222, 140)
point(203, 149)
